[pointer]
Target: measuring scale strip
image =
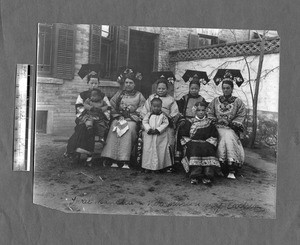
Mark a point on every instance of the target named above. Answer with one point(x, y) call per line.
point(23, 120)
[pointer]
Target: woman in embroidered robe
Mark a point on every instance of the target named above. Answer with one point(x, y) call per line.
point(228, 112)
point(201, 146)
point(156, 155)
point(126, 105)
point(169, 108)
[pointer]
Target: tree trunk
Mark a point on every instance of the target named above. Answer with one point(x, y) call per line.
point(257, 83)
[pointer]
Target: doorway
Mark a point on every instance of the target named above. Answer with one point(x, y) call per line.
point(141, 57)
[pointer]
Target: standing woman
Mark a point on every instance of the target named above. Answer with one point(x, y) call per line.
point(169, 108)
point(228, 112)
point(126, 105)
point(83, 141)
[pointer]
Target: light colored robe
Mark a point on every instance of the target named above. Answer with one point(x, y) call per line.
point(156, 150)
point(225, 113)
point(169, 108)
point(120, 148)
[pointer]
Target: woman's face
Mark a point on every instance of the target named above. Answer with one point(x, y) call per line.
point(194, 89)
point(93, 83)
point(161, 89)
point(129, 84)
point(227, 89)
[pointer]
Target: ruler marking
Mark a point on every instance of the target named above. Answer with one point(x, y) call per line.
point(22, 124)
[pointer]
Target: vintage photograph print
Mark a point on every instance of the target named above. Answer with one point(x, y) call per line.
point(156, 120)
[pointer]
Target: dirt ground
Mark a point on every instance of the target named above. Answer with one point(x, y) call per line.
point(65, 186)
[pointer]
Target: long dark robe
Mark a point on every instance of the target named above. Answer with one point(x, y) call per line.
point(81, 138)
point(185, 105)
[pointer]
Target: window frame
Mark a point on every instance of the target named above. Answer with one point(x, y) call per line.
point(43, 72)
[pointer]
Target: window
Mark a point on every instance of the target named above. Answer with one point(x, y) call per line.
point(200, 40)
point(44, 49)
point(107, 32)
point(108, 47)
point(56, 45)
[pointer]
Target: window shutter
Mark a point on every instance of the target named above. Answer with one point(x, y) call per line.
point(63, 63)
point(123, 46)
point(95, 44)
point(193, 41)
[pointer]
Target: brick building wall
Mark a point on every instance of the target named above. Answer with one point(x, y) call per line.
point(58, 96)
point(169, 39)
point(235, 35)
point(228, 35)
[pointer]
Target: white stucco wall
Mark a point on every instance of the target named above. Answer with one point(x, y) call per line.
point(269, 86)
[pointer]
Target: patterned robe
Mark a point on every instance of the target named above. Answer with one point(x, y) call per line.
point(229, 115)
point(120, 148)
point(185, 105)
point(202, 145)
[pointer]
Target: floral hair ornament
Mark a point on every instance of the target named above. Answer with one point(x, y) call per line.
point(138, 76)
point(203, 81)
point(119, 79)
point(129, 73)
point(194, 75)
point(229, 74)
point(92, 73)
point(165, 75)
point(170, 80)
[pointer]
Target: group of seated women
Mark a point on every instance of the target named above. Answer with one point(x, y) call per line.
point(148, 133)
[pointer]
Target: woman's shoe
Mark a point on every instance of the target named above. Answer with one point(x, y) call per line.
point(231, 176)
point(126, 166)
point(170, 170)
point(194, 181)
point(114, 165)
point(89, 161)
point(206, 181)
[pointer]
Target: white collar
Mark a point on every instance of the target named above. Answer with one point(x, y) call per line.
point(200, 118)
